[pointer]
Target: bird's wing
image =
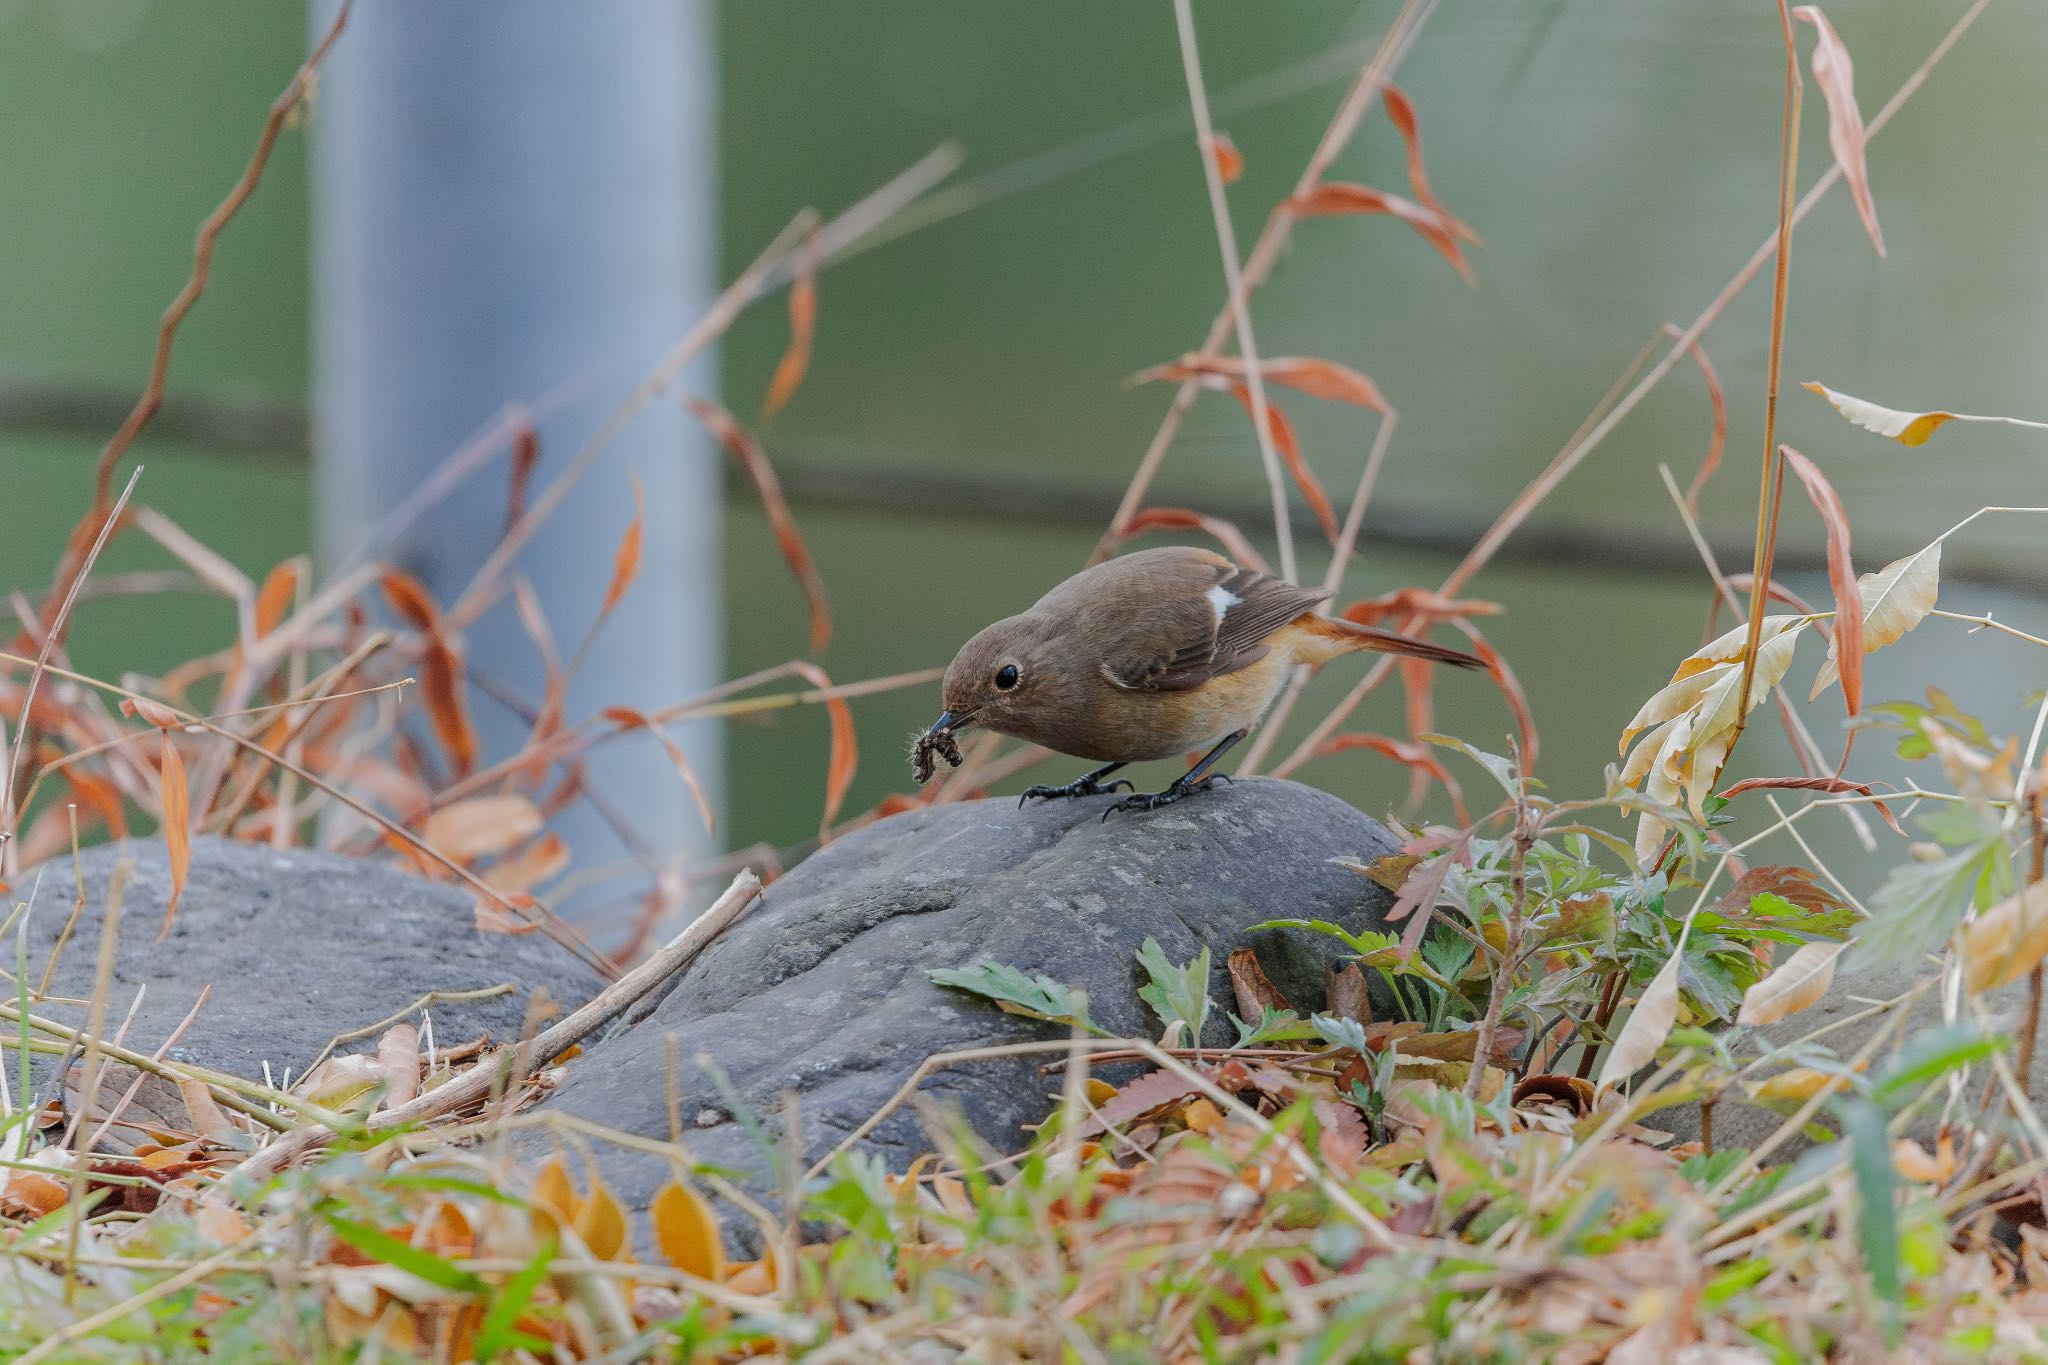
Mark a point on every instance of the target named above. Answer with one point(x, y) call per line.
point(1199, 617)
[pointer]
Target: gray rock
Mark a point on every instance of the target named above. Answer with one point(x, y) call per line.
point(821, 989)
point(298, 947)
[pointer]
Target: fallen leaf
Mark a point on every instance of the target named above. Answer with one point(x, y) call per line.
point(398, 1060)
point(1800, 980)
point(2006, 942)
point(1649, 1024)
point(1255, 994)
point(1792, 1088)
point(206, 1117)
point(1836, 77)
point(1148, 1094)
point(1202, 1116)
point(686, 1232)
point(601, 1222)
point(1345, 995)
point(480, 826)
point(803, 325)
point(1907, 428)
point(1895, 599)
point(744, 448)
point(177, 812)
point(1848, 624)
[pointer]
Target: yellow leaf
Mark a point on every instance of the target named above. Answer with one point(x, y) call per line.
point(601, 1223)
point(1798, 981)
point(2007, 941)
point(686, 1232)
point(553, 1198)
point(1100, 1092)
point(1907, 428)
point(1788, 1090)
point(1202, 1116)
point(1649, 1024)
point(481, 826)
point(1895, 599)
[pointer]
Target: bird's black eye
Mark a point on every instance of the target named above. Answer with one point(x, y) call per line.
point(1006, 677)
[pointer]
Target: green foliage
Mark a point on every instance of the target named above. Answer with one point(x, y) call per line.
point(1178, 995)
point(1035, 997)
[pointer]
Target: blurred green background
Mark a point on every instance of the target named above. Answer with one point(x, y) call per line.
point(1619, 159)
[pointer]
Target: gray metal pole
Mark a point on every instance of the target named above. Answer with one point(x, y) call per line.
point(513, 199)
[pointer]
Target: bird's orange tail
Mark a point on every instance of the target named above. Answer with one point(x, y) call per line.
point(1319, 638)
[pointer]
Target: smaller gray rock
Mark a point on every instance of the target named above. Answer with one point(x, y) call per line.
point(298, 947)
point(823, 989)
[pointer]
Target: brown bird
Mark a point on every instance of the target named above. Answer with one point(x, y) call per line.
point(1147, 656)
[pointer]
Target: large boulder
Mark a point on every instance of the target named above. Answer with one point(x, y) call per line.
point(822, 990)
point(298, 946)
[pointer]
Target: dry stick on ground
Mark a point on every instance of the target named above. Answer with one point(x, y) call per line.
point(73, 563)
point(476, 1083)
point(1580, 446)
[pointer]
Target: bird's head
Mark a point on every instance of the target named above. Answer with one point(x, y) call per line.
point(1001, 677)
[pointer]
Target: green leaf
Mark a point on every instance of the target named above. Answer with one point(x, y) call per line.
point(498, 1331)
point(1340, 1032)
point(1921, 903)
point(1929, 1057)
point(1877, 1219)
point(382, 1247)
point(1500, 769)
point(1273, 1026)
point(1363, 942)
point(1178, 995)
point(1034, 997)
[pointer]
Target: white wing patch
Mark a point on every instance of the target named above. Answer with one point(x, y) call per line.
point(1222, 599)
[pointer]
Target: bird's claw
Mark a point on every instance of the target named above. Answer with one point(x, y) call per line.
point(1154, 800)
point(1080, 786)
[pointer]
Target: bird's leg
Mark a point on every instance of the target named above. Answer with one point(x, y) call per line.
point(1087, 784)
point(1188, 783)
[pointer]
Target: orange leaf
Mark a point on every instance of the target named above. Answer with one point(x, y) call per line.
point(490, 916)
point(1836, 77)
point(545, 858)
point(274, 598)
point(626, 718)
point(754, 460)
point(686, 1232)
point(1202, 1116)
point(1317, 378)
point(553, 1197)
point(626, 561)
point(1435, 226)
point(1848, 629)
point(1229, 160)
point(151, 712)
point(480, 826)
point(101, 797)
point(601, 1223)
point(441, 666)
point(1408, 752)
point(1719, 439)
point(845, 753)
point(1290, 452)
point(1181, 519)
point(803, 324)
point(177, 811)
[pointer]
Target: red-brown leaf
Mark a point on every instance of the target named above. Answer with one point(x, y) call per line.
point(440, 667)
point(525, 455)
point(101, 797)
point(1848, 630)
point(1225, 533)
point(1719, 439)
point(1289, 449)
point(151, 713)
point(803, 323)
point(1833, 785)
point(1401, 113)
point(1255, 993)
point(1430, 606)
point(845, 755)
point(1410, 753)
point(177, 812)
point(1435, 226)
point(626, 560)
point(744, 448)
point(1836, 77)
point(1307, 374)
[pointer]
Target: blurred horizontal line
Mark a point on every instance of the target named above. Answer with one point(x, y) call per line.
point(278, 432)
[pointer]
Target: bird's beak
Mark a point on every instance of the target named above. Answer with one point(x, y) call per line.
point(948, 721)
